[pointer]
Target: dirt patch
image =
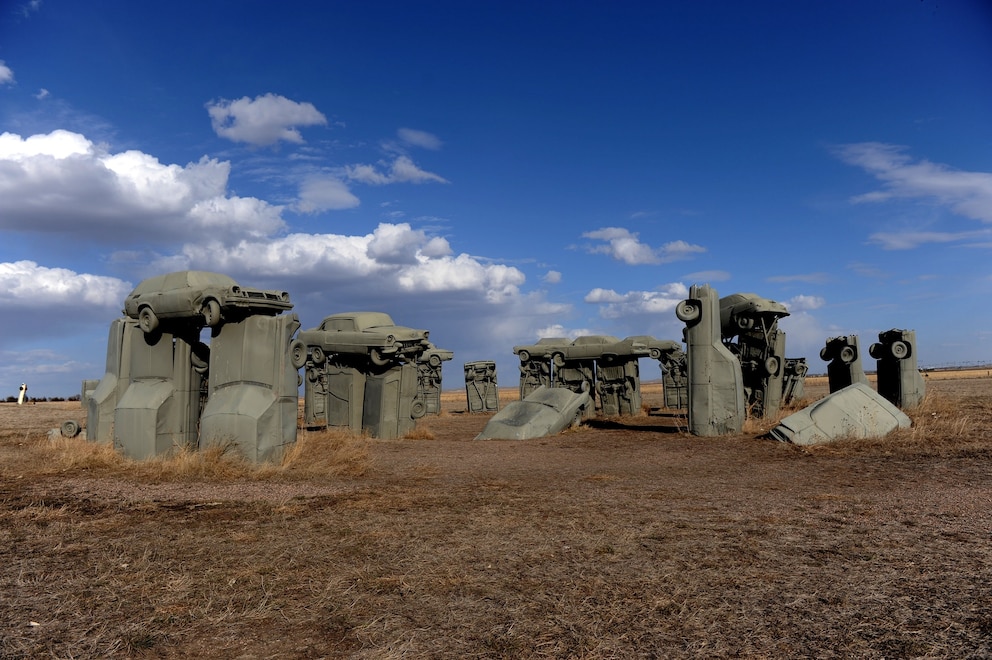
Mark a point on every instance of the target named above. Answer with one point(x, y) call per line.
point(623, 538)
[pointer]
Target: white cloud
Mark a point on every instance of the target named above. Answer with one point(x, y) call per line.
point(325, 193)
point(401, 170)
point(624, 245)
point(421, 139)
point(803, 303)
point(552, 277)
point(806, 278)
point(25, 284)
point(614, 305)
point(966, 193)
point(6, 74)
point(558, 330)
point(42, 94)
point(264, 120)
point(63, 182)
point(400, 244)
point(908, 240)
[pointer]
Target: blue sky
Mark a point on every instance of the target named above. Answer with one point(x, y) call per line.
point(498, 171)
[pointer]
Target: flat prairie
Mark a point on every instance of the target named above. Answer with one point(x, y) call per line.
point(622, 538)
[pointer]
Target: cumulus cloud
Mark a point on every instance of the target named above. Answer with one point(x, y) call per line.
point(63, 182)
point(325, 193)
point(552, 277)
point(264, 120)
point(968, 194)
point(614, 305)
point(6, 74)
point(401, 170)
point(394, 257)
point(803, 303)
point(25, 284)
point(417, 138)
point(625, 245)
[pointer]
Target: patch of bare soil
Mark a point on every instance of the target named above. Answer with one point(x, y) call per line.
point(623, 538)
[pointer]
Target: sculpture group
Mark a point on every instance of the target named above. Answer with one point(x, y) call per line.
point(165, 388)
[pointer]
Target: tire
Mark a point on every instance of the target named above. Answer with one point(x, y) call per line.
point(876, 351)
point(745, 322)
point(418, 409)
point(825, 354)
point(899, 350)
point(147, 320)
point(847, 355)
point(298, 353)
point(70, 429)
point(772, 365)
point(687, 311)
point(313, 375)
point(434, 361)
point(200, 365)
point(524, 356)
point(317, 355)
point(211, 313)
point(299, 379)
point(377, 358)
point(558, 359)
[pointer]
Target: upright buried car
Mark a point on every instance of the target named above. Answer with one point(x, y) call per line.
point(201, 297)
point(365, 333)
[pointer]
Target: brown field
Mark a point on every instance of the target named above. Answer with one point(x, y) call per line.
point(622, 538)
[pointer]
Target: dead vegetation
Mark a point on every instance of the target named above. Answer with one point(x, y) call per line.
point(622, 538)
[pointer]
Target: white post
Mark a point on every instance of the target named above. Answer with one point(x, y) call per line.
point(21, 393)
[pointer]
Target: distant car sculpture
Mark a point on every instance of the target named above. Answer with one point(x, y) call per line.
point(899, 379)
point(429, 380)
point(367, 333)
point(844, 358)
point(199, 297)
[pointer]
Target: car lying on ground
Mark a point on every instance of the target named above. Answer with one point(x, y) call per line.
point(200, 298)
point(545, 411)
point(371, 334)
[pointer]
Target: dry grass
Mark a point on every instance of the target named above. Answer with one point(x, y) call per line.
point(622, 539)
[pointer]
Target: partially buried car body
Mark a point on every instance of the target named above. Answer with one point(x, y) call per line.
point(202, 297)
point(545, 411)
point(366, 333)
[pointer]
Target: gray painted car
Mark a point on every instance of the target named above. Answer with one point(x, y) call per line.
point(366, 333)
point(200, 297)
point(856, 411)
point(546, 411)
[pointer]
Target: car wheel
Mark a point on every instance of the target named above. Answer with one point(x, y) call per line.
point(523, 355)
point(847, 355)
point(771, 365)
point(745, 322)
point(558, 359)
point(418, 409)
point(687, 311)
point(875, 350)
point(298, 353)
point(200, 365)
point(211, 313)
point(317, 355)
point(377, 358)
point(825, 354)
point(434, 361)
point(147, 320)
point(899, 350)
